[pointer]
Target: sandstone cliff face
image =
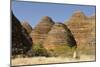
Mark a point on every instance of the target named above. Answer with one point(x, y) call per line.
point(27, 27)
point(83, 29)
point(39, 33)
point(21, 41)
point(59, 35)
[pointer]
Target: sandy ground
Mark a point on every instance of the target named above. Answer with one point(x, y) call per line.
point(45, 60)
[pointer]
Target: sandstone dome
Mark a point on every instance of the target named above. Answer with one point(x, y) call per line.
point(41, 30)
point(59, 35)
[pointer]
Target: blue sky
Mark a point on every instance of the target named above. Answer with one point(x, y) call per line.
point(33, 11)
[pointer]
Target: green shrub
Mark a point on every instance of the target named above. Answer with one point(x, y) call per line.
point(39, 50)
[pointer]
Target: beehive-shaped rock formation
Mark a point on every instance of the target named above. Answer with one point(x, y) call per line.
point(21, 41)
point(77, 17)
point(82, 28)
point(59, 35)
point(27, 27)
point(39, 33)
